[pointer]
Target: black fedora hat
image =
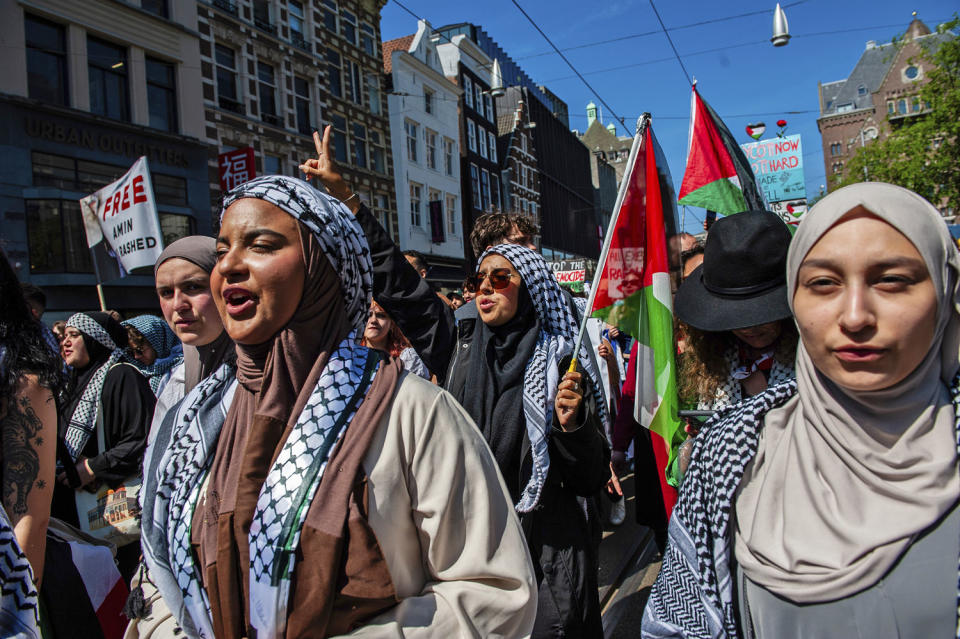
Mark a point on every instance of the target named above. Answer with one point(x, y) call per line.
point(743, 279)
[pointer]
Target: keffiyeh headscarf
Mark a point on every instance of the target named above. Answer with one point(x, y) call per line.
point(96, 328)
point(164, 342)
point(18, 593)
point(180, 460)
point(541, 376)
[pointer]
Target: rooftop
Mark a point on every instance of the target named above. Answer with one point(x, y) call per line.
point(397, 44)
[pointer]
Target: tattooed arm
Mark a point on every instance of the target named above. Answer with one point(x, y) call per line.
point(28, 428)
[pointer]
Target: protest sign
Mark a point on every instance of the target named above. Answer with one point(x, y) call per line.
point(121, 223)
point(777, 164)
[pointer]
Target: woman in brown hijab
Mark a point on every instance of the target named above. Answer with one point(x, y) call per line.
point(319, 490)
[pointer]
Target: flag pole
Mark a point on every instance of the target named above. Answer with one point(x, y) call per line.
point(103, 304)
point(642, 122)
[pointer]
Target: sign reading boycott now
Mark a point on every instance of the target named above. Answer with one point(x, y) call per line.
point(778, 165)
point(121, 223)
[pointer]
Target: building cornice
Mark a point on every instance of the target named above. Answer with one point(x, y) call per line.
point(415, 62)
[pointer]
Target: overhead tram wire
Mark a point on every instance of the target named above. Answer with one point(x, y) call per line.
point(670, 40)
point(573, 68)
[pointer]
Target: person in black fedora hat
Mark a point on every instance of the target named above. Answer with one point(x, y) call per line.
point(734, 308)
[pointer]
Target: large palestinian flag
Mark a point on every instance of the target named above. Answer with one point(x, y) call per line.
point(633, 289)
point(718, 176)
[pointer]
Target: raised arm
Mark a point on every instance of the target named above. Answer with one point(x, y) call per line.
point(421, 315)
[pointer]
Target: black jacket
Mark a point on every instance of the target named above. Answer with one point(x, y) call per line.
point(557, 532)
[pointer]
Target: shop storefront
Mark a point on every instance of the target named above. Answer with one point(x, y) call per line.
point(51, 157)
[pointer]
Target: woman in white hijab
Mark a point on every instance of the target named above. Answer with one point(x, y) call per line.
point(827, 506)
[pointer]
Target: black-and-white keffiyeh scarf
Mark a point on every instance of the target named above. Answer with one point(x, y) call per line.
point(19, 603)
point(558, 332)
point(178, 461)
point(84, 418)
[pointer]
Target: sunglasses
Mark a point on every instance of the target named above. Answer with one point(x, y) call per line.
point(499, 280)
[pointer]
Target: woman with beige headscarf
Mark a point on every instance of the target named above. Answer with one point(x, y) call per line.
point(827, 505)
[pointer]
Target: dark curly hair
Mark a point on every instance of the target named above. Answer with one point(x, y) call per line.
point(25, 350)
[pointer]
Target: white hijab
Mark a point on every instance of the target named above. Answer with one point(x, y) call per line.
point(844, 481)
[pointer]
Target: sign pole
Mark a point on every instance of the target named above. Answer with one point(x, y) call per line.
point(103, 304)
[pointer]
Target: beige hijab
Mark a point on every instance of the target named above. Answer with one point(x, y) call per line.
point(844, 481)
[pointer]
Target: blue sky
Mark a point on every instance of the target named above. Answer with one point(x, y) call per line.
point(739, 73)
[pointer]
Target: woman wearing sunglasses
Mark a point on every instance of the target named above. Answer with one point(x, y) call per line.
point(507, 367)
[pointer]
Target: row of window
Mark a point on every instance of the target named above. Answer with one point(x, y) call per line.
point(477, 99)
point(107, 73)
point(364, 148)
point(432, 150)
point(524, 206)
point(526, 177)
point(485, 189)
point(345, 79)
point(437, 203)
point(900, 107)
point(345, 23)
point(481, 141)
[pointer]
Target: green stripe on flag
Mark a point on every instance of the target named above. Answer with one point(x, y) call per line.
point(722, 196)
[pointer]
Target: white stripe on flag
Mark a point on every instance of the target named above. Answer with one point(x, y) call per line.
point(97, 570)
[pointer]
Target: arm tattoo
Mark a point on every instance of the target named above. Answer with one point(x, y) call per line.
point(21, 464)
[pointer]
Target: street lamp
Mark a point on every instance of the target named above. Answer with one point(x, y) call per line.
point(496, 81)
point(781, 32)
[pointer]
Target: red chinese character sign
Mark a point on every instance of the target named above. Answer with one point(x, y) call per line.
point(121, 224)
point(236, 167)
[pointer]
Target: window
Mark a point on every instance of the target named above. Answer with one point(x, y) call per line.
point(448, 156)
point(348, 26)
point(891, 107)
point(73, 175)
point(478, 97)
point(339, 137)
point(492, 139)
point(451, 214)
point(485, 189)
point(416, 192)
point(468, 91)
point(835, 148)
point(377, 154)
point(411, 129)
point(495, 191)
point(523, 142)
point(334, 76)
point(161, 95)
point(227, 77)
point(381, 211)
point(368, 39)
point(373, 92)
point(427, 100)
point(156, 7)
point(435, 231)
point(861, 90)
point(915, 105)
point(475, 186)
point(489, 102)
point(911, 72)
point(471, 136)
point(482, 142)
point(173, 226)
point(295, 21)
point(329, 10)
point(359, 145)
point(266, 87)
point(169, 189)
point(354, 88)
point(271, 165)
point(301, 92)
point(107, 70)
point(901, 106)
point(261, 15)
point(837, 167)
point(55, 236)
point(46, 60)
point(431, 139)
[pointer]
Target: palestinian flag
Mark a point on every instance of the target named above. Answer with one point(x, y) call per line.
point(633, 288)
point(718, 175)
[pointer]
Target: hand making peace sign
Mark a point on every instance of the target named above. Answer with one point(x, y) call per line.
point(325, 169)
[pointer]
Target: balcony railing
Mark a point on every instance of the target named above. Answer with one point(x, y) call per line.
point(226, 5)
point(265, 25)
point(272, 118)
point(298, 41)
point(231, 105)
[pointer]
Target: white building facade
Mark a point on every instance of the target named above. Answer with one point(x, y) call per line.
point(426, 155)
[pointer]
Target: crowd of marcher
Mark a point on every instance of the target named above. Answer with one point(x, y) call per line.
point(311, 441)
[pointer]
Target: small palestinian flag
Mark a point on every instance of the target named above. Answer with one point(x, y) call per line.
point(718, 176)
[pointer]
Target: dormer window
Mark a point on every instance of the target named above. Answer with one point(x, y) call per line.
point(861, 90)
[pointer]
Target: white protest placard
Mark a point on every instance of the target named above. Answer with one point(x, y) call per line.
point(122, 225)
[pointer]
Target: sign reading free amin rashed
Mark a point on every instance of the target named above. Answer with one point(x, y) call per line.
point(778, 165)
point(122, 225)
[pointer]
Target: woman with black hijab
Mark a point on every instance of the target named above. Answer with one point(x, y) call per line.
point(507, 366)
point(103, 390)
